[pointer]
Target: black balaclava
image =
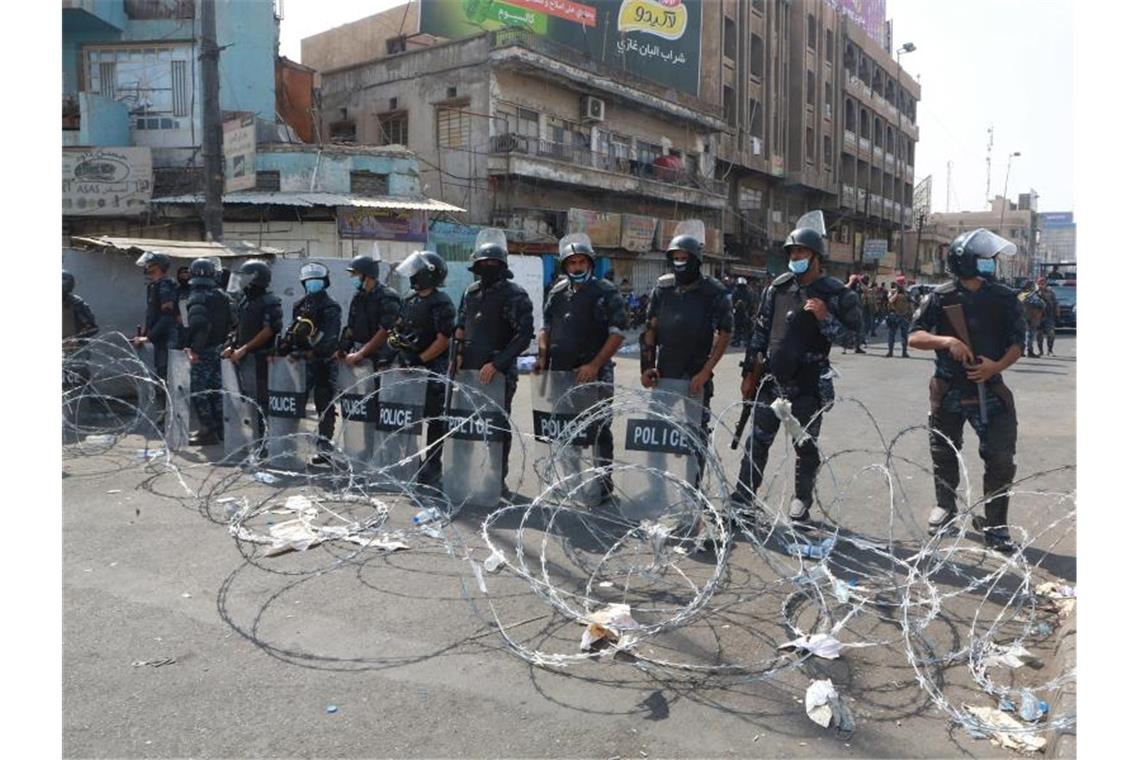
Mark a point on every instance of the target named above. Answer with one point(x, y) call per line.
point(688, 272)
point(490, 271)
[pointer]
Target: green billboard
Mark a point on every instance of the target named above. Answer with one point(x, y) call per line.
point(659, 40)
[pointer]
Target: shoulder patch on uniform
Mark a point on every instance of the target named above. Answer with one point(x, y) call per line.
point(783, 279)
point(946, 287)
point(561, 284)
point(667, 280)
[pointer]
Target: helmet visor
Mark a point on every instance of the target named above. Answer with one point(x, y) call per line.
point(812, 220)
point(415, 263)
point(693, 228)
point(491, 235)
point(985, 245)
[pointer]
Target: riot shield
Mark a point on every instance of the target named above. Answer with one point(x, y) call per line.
point(657, 442)
point(356, 395)
point(557, 401)
point(177, 431)
point(473, 450)
point(146, 393)
point(240, 413)
point(287, 399)
point(399, 422)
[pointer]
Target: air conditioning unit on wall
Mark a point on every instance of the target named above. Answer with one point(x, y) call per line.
point(757, 146)
point(591, 108)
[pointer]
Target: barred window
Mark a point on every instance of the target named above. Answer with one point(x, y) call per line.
point(394, 128)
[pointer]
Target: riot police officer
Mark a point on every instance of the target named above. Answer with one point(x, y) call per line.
point(259, 318)
point(582, 326)
point(209, 320)
point(421, 339)
point(78, 321)
point(495, 323)
point(976, 328)
point(742, 311)
point(802, 313)
point(372, 315)
point(688, 323)
point(312, 336)
point(162, 320)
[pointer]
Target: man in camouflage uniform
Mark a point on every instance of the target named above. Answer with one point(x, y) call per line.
point(1048, 327)
point(899, 311)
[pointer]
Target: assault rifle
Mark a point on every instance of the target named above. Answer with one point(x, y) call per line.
point(957, 319)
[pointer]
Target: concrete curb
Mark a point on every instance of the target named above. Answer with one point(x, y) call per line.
point(1064, 744)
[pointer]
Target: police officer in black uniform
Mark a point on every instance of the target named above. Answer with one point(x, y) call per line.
point(688, 323)
point(209, 321)
point(582, 326)
point(421, 339)
point(372, 315)
point(802, 313)
point(313, 335)
point(78, 321)
point(495, 324)
point(743, 309)
point(162, 320)
point(259, 321)
point(967, 384)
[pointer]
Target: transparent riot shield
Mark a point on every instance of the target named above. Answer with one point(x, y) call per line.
point(240, 413)
point(146, 392)
point(177, 431)
point(356, 396)
point(568, 440)
point(658, 441)
point(473, 450)
point(286, 410)
point(399, 422)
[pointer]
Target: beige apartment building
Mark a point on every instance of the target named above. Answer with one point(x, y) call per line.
point(1016, 222)
point(798, 107)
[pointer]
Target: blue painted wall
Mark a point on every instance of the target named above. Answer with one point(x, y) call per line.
point(332, 171)
point(102, 121)
point(246, 68)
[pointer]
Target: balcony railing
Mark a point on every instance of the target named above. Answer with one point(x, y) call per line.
point(865, 144)
point(847, 197)
point(849, 140)
point(606, 162)
point(878, 152)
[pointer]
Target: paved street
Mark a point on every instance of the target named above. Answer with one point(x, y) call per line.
point(179, 640)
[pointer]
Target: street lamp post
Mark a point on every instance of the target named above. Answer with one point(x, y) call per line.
point(1005, 193)
point(908, 47)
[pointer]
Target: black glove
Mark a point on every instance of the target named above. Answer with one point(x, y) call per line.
point(410, 358)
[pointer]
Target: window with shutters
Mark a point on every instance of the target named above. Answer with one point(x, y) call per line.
point(342, 132)
point(528, 123)
point(756, 58)
point(268, 182)
point(394, 128)
point(730, 39)
point(367, 183)
point(152, 81)
point(453, 128)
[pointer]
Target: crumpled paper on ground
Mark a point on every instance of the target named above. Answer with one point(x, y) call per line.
point(825, 707)
point(1012, 656)
point(299, 534)
point(1012, 738)
point(1058, 597)
point(820, 644)
point(608, 623)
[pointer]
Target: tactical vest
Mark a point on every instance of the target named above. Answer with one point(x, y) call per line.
point(365, 310)
point(69, 322)
point(685, 322)
point(576, 332)
point(417, 325)
point(787, 301)
point(209, 310)
point(251, 316)
point(485, 332)
point(154, 303)
point(986, 323)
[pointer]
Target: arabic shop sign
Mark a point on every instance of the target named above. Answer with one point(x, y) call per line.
point(402, 225)
point(106, 181)
point(659, 40)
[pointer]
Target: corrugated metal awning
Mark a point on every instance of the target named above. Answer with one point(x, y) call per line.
point(307, 199)
point(181, 249)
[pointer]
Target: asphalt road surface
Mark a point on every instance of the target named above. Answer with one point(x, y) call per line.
point(179, 640)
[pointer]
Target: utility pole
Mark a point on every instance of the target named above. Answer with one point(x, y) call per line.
point(212, 125)
point(989, 149)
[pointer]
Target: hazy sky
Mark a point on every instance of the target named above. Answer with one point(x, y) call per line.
point(1008, 63)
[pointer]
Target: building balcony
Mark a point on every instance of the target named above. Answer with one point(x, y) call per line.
point(889, 162)
point(91, 15)
point(908, 216)
point(877, 152)
point(847, 197)
point(519, 155)
point(876, 206)
point(857, 86)
point(850, 142)
point(861, 200)
point(910, 174)
point(864, 145)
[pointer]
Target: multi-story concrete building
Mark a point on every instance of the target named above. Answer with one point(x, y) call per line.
point(1057, 240)
point(1016, 222)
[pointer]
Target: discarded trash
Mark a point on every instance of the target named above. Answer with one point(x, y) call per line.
point(264, 477)
point(825, 707)
point(606, 584)
point(526, 364)
point(154, 663)
point(115, 490)
point(1058, 598)
point(1005, 705)
point(425, 516)
point(607, 624)
point(186, 595)
point(99, 440)
point(1031, 708)
point(811, 551)
point(820, 644)
point(1010, 656)
point(494, 562)
point(1043, 629)
point(1004, 730)
point(330, 709)
point(149, 453)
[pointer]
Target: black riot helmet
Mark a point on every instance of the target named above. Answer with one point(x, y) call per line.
point(575, 244)
point(977, 244)
point(150, 257)
point(365, 266)
point(425, 269)
point(203, 273)
point(489, 252)
point(809, 238)
point(68, 282)
point(688, 243)
point(254, 272)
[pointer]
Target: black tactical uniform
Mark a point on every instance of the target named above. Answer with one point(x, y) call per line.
point(795, 345)
point(579, 319)
point(209, 320)
point(995, 320)
point(257, 309)
point(78, 321)
point(498, 324)
point(742, 311)
point(319, 354)
point(162, 321)
point(369, 312)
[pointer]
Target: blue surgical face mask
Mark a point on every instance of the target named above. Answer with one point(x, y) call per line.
point(314, 286)
point(986, 267)
point(800, 266)
point(580, 277)
point(358, 282)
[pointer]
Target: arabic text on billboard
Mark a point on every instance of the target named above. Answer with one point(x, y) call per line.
point(604, 229)
point(659, 40)
point(106, 181)
point(637, 232)
point(375, 224)
point(869, 15)
point(239, 146)
point(874, 249)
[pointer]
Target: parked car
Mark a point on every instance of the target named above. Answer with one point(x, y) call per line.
point(1066, 293)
